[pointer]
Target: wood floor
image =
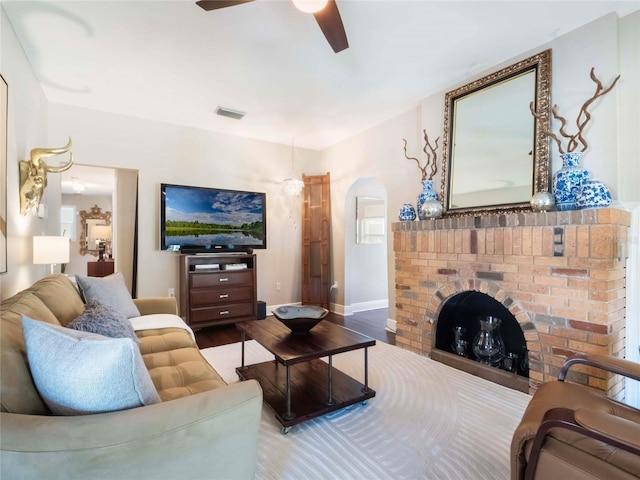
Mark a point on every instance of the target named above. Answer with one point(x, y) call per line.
point(371, 323)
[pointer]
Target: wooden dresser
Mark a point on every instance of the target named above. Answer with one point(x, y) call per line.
point(217, 289)
point(100, 269)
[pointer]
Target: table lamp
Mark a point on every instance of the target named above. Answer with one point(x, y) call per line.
point(101, 233)
point(50, 250)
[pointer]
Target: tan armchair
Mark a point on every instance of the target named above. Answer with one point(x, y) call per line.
point(572, 431)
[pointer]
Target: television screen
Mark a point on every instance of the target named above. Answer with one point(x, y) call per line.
point(199, 219)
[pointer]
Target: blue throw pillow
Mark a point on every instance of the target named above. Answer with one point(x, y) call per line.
point(110, 290)
point(103, 320)
point(80, 373)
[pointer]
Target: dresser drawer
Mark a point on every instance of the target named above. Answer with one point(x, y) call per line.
point(221, 312)
point(220, 295)
point(208, 280)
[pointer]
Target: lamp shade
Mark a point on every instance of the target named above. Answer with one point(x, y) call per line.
point(50, 250)
point(101, 232)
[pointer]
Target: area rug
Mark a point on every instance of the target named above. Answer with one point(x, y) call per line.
point(427, 421)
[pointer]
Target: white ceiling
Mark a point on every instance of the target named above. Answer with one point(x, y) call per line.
point(171, 61)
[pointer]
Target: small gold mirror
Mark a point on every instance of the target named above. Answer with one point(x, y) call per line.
point(95, 229)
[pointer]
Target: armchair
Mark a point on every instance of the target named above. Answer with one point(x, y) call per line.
point(574, 431)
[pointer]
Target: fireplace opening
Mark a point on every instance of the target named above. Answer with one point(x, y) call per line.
point(469, 336)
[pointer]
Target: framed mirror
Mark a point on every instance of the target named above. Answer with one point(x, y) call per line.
point(95, 228)
point(495, 157)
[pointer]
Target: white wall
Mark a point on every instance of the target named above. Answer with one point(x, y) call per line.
point(378, 151)
point(27, 129)
point(168, 153)
point(165, 153)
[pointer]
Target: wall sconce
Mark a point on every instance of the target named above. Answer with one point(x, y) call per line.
point(33, 175)
point(50, 250)
point(102, 234)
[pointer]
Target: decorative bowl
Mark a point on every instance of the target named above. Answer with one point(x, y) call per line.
point(300, 319)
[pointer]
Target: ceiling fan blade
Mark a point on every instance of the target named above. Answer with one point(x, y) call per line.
point(216, 4)
point(331, 25)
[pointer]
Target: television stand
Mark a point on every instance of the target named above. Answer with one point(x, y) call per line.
point(217, 288)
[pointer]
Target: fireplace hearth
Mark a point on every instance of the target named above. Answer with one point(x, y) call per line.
point(555, 278)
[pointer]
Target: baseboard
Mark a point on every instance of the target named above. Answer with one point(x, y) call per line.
point(366, 306)
point(344, 310)
point(338, 309)
point(391, 325)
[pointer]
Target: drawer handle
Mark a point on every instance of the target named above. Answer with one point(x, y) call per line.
point(224, 295)
point(226, 279)
point(224, 312)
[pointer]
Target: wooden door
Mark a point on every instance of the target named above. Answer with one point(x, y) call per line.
point(316, 222)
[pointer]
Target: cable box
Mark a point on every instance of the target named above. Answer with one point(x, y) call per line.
point(235, 266)
point(207, 266)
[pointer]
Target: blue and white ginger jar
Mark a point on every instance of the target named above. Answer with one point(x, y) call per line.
point(407, 213)
point(593, 194)
point(425, 195)
point(568, 180)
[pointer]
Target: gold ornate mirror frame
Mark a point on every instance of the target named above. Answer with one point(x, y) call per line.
point(94, 217)
point(476, 133)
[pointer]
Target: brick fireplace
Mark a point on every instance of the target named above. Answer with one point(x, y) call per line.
point(561, 275)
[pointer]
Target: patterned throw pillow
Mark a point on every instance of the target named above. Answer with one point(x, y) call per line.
point(110, 290)
point(103, 320)
point(78, 373)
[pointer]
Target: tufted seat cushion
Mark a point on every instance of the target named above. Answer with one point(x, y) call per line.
point(175, 364)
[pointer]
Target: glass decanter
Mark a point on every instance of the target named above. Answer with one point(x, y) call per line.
point(487, 344)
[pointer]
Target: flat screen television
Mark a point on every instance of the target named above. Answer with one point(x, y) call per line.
point(203, 220)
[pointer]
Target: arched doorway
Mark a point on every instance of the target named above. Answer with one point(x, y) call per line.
point(366, 237)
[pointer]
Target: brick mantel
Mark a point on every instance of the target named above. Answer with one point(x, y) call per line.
point(561, 274)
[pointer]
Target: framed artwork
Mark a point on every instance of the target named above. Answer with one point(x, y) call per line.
point(4, 98)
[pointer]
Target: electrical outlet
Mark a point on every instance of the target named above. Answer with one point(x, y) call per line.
point(278, 286)
point(172, 292)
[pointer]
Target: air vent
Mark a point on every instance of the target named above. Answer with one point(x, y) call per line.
point(227, 112)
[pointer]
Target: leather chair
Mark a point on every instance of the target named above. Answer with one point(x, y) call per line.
point(571, 431)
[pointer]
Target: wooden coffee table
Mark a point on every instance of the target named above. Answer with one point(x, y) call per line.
point(297, 385)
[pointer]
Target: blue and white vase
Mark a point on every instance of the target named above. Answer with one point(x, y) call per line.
point(407, 213)
point(593, 194)
point(568, 180)
point(426, 194)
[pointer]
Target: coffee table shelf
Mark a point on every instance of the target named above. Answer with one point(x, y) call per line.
point(309, 389)
point(297, 385)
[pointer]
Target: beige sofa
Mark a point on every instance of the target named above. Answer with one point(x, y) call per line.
point(203, 428)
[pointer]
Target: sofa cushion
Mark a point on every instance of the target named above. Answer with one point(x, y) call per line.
point(176, 366)
point(81, 373)
point(110, 290)
point(103, 320)
point(19, 393)
point(51, 289)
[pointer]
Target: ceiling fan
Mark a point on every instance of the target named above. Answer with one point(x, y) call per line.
point(328, 17)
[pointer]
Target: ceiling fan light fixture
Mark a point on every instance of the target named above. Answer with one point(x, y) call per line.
point(310, 6)
point(292, 187)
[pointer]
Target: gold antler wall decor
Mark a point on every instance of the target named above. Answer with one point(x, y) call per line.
point(430, 167)
point(574, 141)
point(33, 175)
